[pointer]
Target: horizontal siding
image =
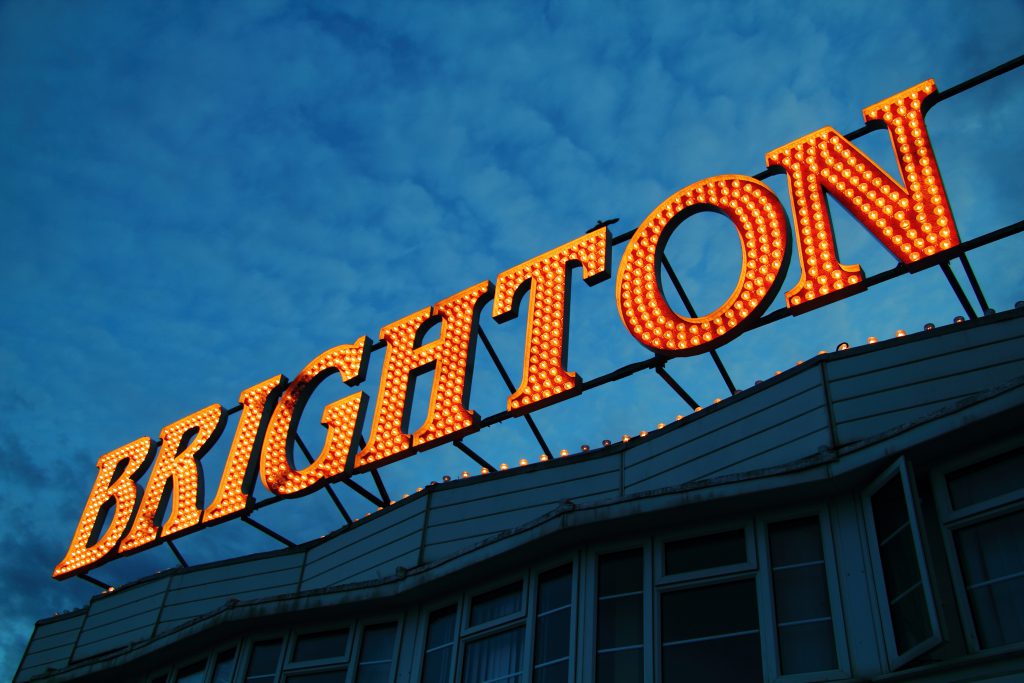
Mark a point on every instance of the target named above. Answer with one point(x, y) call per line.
point(369, 554)
point(112, 636)
point(463, 516)
point(780, 423)
point(51, 646)
point(320, 557)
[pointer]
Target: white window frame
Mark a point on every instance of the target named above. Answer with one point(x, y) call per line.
point(766, 604)
point(951, 520)
point(357, 643)
point(899, 469)
point(525, 618)
point(314, 665)
point(588, 588)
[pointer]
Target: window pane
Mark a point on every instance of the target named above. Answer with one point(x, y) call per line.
point(795, 541)
point(325, 645)
point(807, 647)
point(375, 654)
point(889, 508)
point(621, 665)
point(801, 593)
point(709, 610)
point(897, 551)
point(437, 665)
point(336, 676)
point(263, 661)
point(440, 642)
point(705, 552)
point(224, 667)
point(496, 658)
point(733, 658)
point(557, 672)
point(554, 609)
point(192, 673)
point(620, 573)
point(552, 639)
point(555, 589)
point(620, 621)
point(441, 630)
point(992, 563)
point(803, 614)
point(496, 604)
point(986, 480)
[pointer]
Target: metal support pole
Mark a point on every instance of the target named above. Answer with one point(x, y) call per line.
point(958, 290)
point(269, 532)
point(177, 554)
point(663, 373)
point(974, 282)
point(693, 314)
point(512, 387)
point(380, 487)
point(363, 492)
point(330, 491)
point(95, 582)
point(474, 455)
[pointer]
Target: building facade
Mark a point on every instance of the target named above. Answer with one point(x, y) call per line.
point(858, 517)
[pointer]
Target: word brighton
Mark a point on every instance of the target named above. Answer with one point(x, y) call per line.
point(911, 218)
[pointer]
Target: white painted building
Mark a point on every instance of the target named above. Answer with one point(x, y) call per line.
point(859, 517)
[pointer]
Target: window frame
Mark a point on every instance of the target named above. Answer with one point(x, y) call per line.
point(341, 662)
point(588, 588)
point(766, 604)
point(899, 469)
point(525, 617)
point(951, 521)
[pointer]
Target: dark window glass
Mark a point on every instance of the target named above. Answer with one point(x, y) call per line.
point(554, 609)
point(437, 661)
point(324, 645)
point(224, 667)
point(192, 673)
point(803, 614)
point(496, 604)
point(334, 676)
point(375, 654)
point(620, 610)
point(986, 480)
point(897, 551)
point(263, 661)
point(622, 665)
point(706, 552)
point(711, 633)
point(620, 573)
point(992, 563)
point(495, 659)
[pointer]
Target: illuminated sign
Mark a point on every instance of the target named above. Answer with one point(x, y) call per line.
point(910, 217)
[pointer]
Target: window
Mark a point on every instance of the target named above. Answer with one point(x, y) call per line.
point(505, 635)
point(709, 631)
point(982, 510)
point(437, 660)
point(317, 656)
point(553, 626)
point(904, 591)
point(263, 661)
point(223, 667)
point(376, 654)
point(620, 616)
point(804, 631)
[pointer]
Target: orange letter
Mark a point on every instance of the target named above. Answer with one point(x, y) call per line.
point(342, 418)
point(451, 358)
point(912, 220)
point(107, 492)
point(178, 463)
point(758, 216)
point(547, 322)
point(236, 482)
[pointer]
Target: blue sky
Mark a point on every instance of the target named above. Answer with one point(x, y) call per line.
point(197, 196)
